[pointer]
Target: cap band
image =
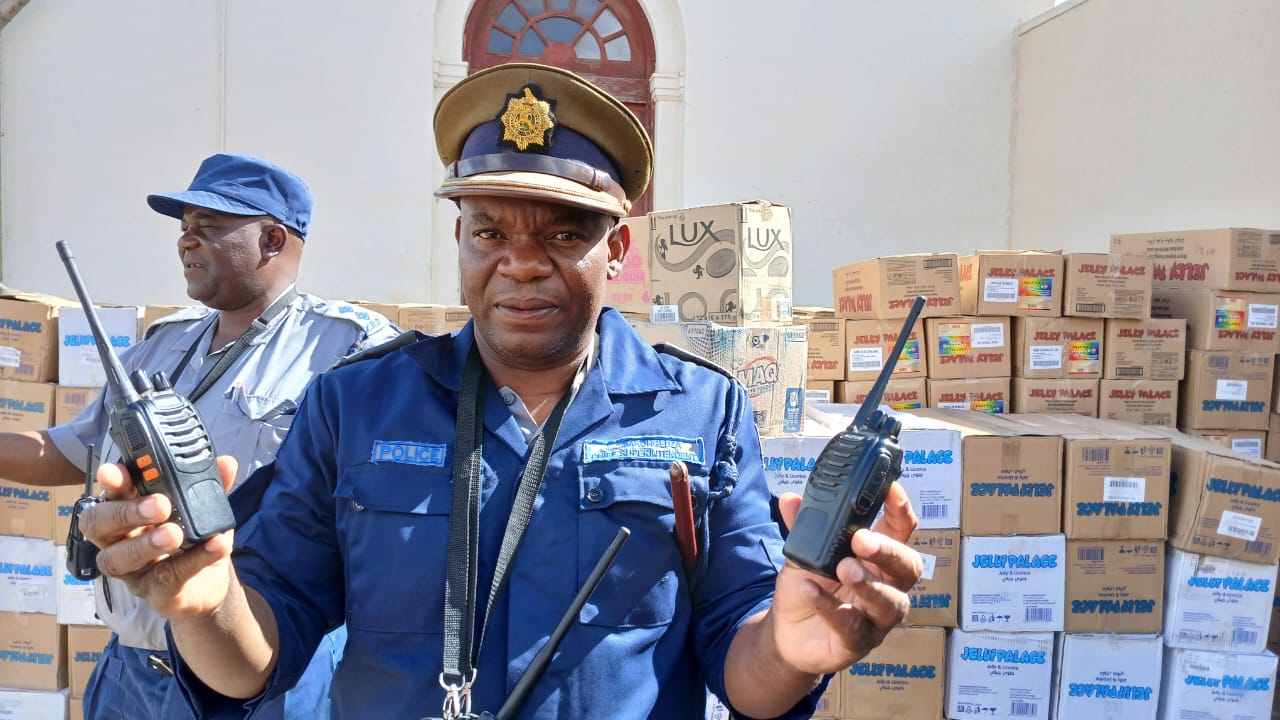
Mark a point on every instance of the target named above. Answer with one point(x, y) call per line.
point(514, 162)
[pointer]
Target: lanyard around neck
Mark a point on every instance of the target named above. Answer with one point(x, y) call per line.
point(256, 328)
point(461, 647)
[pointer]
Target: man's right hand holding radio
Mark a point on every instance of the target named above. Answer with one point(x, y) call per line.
point(219, 624)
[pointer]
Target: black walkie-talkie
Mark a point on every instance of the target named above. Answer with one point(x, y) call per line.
point(160, 437)
point(851, 477)
point(82, 555)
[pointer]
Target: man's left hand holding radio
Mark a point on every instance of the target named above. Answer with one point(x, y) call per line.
point(196, 590)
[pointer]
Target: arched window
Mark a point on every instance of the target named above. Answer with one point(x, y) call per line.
point(606, 41)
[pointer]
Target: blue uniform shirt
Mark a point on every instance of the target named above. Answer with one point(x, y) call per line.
point(353, 527)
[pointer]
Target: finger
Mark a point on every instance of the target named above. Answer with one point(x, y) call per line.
point(109, 522)
point(899, 519)
point(789, 507)
point(895, 562)
point(114, 480)
point(130, 555)
point(167, 579)
point(884, 605)
point(846, 618)
point(227, 467)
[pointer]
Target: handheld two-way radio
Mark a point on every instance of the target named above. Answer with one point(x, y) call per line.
point(850, 477)
point(82, 555)
point(160, 437)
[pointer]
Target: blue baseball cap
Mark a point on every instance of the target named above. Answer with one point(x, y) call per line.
point(242, 185)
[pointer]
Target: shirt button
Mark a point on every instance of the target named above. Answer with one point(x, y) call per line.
point(595, 495)
point(508, 397)
point(356, 506)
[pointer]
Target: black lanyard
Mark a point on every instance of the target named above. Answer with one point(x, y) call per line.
point(256, 328)
point(461, 647)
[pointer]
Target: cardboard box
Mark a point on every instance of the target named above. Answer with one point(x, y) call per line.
point(1246, 442)
point(84, 649)
point(79, 364)
point(1226, 389)
point(1230, 259)
point(1012, 583)
point(1144, 349)
point(999, 675)
point(1011, 282)
point(1273, 438)
point(75, 600)
point(63, 499)
point(26, 510)
point(432, 319)
point(22, 704)
point(968, 347)
point(27, 583)
point(1115, 478)
point(1108, 677)
point(1054, 348)
point(902, 679)
point(152, 313)
point(1223, 503)
point(1273, 628)
point(903, 394)
point(930, 461)
point(730, 264)
point(1114, 586)
point(885, 288)
point(1145, 402)
point(25, 405)
point(1099, 285)
point(985, 395)
point(628, 291)
point(1223, 319)
point(770, 362)
point(1065, 395)
point(1201, 684)
point(31, 652)
point(1010, 475)
point(29, 336)
point(935, 598)
point(826, 348)
point(1214, 603)
point(869, 343)
point(69, 402)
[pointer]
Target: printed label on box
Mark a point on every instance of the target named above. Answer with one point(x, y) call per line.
point(1239, 525)
point(987, 335)
point(929, 562)
point(1262, 316)
point(1232, 390)
point(10, 356)
point(1124, 489)
point(1000, 290)
point(866, 359)
point(1046, 357)
point(1248, 446)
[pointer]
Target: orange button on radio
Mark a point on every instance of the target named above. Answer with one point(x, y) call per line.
point(144, 461)
point(151, 474)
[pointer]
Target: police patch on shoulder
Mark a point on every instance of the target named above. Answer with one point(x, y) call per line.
point(645, 447)
point(409, 453)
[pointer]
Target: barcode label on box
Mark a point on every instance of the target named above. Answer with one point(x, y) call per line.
point(1090, 554)
point(985, 335)
point(1258, 547)
point(1219, 362)
point(1018, 708)
point(1124, 489)
point(937, 263)
point(10, 356)
point(661, 314)
point(954, 406)
point(1090, 307)
point(1262, 316)
point(782, 308)
point(1249, 446)
point(1232, 390)
point(932, 511)
point(824, 326)
point(1046, 357)
point(817, 396)
point(1098, 455)
point(1239, 525)
point(1000, 290)
point(866, 359)
point(1038, 614)
point(1240, 636)
point(1128, 372)
point(929, 562)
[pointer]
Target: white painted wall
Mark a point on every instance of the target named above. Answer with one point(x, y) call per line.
point(1145, 115)
point(885, 125)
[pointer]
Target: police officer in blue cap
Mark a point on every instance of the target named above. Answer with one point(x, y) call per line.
point(243, 357)
point(448, 499)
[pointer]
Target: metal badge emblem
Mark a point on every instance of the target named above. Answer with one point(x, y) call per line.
point(528, 119)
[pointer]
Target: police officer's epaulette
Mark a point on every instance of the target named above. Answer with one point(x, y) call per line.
point(187, 314)
point(368, 320)
point(408, 337)
point(679, 352)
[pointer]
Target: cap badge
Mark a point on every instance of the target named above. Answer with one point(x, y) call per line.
point(527, 119)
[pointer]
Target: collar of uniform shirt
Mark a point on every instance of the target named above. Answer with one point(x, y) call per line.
point(520, 412)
